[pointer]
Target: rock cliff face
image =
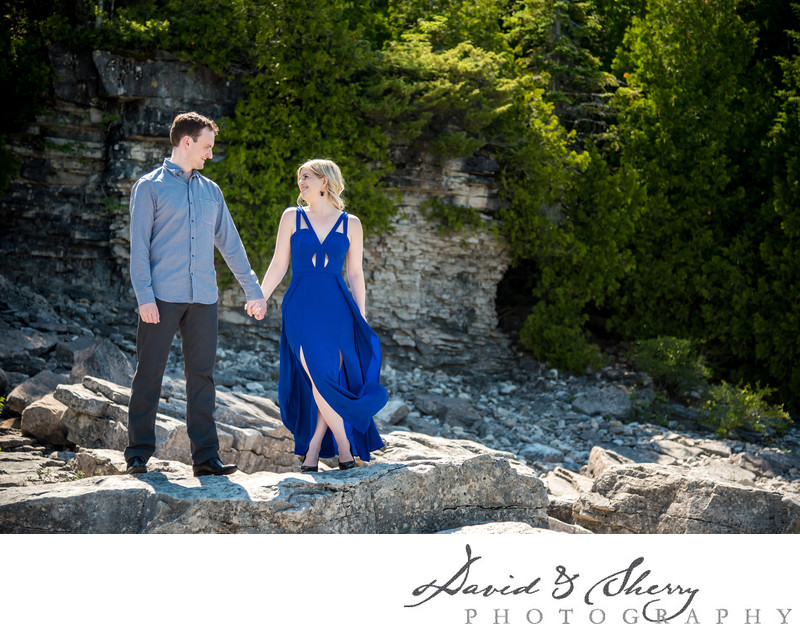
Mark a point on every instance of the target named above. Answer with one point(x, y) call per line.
point(430, 297)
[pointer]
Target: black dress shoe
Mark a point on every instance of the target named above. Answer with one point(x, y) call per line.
point(213, 466)
point(136, 465)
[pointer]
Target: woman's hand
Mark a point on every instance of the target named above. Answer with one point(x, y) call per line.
point(257, 308)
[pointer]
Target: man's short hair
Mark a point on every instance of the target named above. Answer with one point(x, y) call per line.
point(190, 124)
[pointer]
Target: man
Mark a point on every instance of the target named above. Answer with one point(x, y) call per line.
point(177, 218)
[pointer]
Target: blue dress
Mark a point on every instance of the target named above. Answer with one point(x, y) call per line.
point(321, 318)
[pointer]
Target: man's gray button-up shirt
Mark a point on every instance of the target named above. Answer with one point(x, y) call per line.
point(175, 224)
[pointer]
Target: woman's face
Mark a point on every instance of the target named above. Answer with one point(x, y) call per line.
point(310, 184)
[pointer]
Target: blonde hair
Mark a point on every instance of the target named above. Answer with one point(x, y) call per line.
point(323, 168)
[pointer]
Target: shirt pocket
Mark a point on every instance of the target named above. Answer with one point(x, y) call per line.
point(208, 210)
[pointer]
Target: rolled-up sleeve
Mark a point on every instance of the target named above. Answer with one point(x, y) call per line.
point(142, 210)
point(229, 244)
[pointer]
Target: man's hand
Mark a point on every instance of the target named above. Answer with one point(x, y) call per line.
point(256, 308)
point(148, 312)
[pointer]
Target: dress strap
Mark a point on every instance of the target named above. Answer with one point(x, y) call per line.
point(344, 228)
point(297, 216)
point(339, 221)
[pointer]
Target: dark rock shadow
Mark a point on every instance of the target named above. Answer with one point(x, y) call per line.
point(219, 487)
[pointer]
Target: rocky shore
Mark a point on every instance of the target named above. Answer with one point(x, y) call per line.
point(526, 449)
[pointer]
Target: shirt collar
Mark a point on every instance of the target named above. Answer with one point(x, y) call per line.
point(176, 169)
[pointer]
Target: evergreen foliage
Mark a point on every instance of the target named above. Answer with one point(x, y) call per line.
point(674, 365)
point(744, 410)
point(305, 99)
point(694, 122)
point(24, 73)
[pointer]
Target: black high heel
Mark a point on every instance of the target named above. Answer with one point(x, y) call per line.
point(308, 468)
point(348, 465)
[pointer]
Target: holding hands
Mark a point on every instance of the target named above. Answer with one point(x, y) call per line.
point(256, 308)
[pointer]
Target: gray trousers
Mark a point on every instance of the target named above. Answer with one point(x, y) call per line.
point(198, 326)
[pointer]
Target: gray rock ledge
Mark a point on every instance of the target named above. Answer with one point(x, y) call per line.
point(414, 497)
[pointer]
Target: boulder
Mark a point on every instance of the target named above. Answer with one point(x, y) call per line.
point(395, 411)
point(388, 498)
point(612, 401)
point(24, 301)
point(172, 441)
point(649, 498)
point(114, 392)
point(601, 459)
point(104, 360)
point(43, 420)
point(34, 389)
point(563, 482)
point(564, 487)
point(451, 410)
point(81, 399)
point(21, 348)
point(66, 350)
point(534, 451)
point(249, 433)
point(95, 432)
point(3, 382)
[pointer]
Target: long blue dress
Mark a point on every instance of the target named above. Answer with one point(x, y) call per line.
point(321, 318)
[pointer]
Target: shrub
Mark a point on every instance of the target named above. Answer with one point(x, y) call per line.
point(673, 364)
point(745, 408)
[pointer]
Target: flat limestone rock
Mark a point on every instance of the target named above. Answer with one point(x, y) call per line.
point(24, 469)
point(563, 482)
point(727, 471)
point(403, 446)
point(649, 498)
point(496, 528)
point(387, 498)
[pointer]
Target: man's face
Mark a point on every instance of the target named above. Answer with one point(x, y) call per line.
point(200, 150)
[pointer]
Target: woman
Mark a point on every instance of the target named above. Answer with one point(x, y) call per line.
point(328, 386)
